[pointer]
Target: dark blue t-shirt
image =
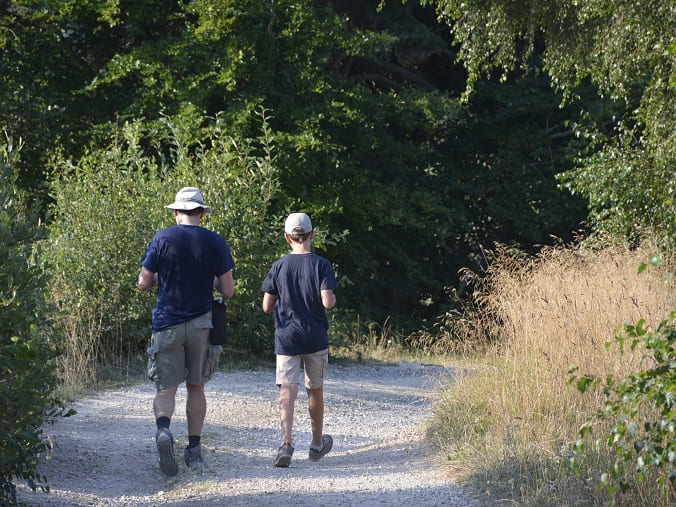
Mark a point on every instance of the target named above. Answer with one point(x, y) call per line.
point(301, 326)
point(186, 258)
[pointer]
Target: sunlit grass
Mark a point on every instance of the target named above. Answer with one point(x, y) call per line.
point(512, 423)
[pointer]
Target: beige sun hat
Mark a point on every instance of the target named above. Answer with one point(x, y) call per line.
point(189, 198)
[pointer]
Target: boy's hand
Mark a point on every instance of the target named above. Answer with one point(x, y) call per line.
point(328, 299)
point(269, 301)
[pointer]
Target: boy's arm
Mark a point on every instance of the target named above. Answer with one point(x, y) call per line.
point(269, 301)
point(328, 299)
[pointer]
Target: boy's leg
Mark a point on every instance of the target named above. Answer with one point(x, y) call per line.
point(315, 371)
point(287, 400)
point(286, 378)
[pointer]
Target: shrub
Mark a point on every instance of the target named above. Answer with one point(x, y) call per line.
point(27, 379)
point(109, 204)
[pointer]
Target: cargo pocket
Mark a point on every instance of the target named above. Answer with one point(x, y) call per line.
point(202, 322)
point(211, 362)
point(152, 363)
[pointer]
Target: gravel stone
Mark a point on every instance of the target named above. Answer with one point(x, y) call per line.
point(105, 454)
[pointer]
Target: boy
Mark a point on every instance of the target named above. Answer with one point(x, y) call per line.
point(299, 289)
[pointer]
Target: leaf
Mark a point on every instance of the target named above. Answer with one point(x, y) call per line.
point(655, 260)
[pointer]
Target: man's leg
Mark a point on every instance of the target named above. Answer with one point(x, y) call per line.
point(195, 409)
point(316, 407)
point(287, 400)
point(165, 402)
point(163, 406)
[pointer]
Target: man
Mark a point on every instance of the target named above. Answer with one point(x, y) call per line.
point(186, 261)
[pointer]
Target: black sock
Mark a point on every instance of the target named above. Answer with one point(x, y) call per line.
point(193, 441)
point(162, 422)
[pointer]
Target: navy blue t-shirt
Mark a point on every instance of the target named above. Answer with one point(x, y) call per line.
point(186, 258)
point(301, 326)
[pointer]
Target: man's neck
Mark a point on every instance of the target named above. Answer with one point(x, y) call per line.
point(187, 219)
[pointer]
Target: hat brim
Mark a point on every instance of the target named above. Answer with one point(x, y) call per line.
point(188, 206)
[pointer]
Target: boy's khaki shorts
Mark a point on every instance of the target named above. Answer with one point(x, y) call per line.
point(183, 352)
point(315, 366)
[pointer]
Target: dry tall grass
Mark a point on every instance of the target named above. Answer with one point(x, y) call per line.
point(85, 362)
point(515, 420)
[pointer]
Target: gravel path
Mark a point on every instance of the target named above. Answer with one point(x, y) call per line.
point(106, 453)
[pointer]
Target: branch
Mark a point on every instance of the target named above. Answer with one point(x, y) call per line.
point(345, 64)
point(398, 71)
point(377, 78)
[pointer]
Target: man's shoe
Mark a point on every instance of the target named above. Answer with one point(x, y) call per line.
point(165, 448)
point(317, 454)
point(193, 458)
point(284, 454)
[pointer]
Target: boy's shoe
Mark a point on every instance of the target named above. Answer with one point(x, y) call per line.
point(316, 455)
point(165, 448)
point(284, 454)
point(193, 458)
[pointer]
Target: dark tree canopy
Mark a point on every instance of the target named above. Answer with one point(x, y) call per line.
point(406, 183)
point(628, 51)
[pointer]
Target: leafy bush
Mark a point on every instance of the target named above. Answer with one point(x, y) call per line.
point(629, 183)
point(27, 379)
point(109, 204)
point(640, 412)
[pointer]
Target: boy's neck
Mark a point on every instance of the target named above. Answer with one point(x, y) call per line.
point(300, 248)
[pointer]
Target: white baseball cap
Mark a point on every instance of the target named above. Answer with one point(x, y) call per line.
point(189, 198)
point(297, 223)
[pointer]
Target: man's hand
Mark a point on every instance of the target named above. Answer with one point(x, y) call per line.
point(225, 284)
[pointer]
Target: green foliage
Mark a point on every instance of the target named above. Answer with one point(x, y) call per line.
point(626, 49)
point(640, 411)
point(629, 181)
point(404, 182)
point(108, 205)
point(27, 380)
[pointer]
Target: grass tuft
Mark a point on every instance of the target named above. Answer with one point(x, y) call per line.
point(514, 421)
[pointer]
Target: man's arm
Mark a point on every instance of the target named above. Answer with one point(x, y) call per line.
point(269, 301)
point(328, 299)
point(225, 284)
point(146, 279)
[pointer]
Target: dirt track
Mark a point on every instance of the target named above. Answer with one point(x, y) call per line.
point(106, 453)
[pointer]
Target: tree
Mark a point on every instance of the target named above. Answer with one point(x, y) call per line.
point(626, 49)
point(404, 181)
